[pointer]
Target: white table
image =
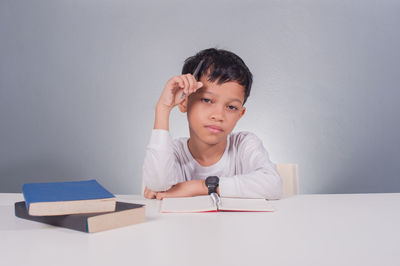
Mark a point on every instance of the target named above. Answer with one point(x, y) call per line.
point(337, 229)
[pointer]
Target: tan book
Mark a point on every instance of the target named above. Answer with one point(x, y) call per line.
point(206, 204)
point(125, 214)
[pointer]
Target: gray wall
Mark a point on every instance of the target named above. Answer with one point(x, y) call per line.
point(79, 81)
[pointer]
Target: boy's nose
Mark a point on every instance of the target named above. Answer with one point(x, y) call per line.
point(217, 114)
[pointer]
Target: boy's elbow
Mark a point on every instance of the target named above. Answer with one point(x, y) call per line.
point(274, 190)
point(155, 181)
point(157, 187)
point(276, 193)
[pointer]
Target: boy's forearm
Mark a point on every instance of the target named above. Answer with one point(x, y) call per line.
point(162, 117)
point(189, 188)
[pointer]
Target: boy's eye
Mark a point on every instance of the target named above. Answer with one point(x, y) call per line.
point(205, 100)
point(230, 107)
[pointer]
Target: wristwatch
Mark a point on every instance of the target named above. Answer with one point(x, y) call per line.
point(212, 184)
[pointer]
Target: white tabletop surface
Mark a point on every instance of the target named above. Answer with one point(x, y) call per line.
point(336, 229)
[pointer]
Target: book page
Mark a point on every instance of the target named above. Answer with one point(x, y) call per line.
point(188, 204)
point(251, 205)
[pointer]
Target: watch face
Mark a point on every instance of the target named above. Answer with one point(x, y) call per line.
point(212, 180)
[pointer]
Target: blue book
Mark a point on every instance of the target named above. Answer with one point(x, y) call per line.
point(62, 198)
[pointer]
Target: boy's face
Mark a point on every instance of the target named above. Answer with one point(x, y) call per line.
point(214, 110)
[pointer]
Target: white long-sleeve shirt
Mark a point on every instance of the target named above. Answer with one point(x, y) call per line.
point(244, 169)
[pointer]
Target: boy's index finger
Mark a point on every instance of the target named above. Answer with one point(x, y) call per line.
point(195, 73)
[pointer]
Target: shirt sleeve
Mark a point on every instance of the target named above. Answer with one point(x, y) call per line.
point(259, 178)
point(161, 168)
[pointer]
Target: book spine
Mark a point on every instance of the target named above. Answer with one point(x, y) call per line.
point(25, 192)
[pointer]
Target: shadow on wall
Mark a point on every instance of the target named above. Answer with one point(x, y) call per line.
point(39, 171)
point(362, 171)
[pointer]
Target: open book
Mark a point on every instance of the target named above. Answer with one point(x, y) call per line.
point(207, 204)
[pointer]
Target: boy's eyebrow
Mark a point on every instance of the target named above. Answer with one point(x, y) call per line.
point(231, 99)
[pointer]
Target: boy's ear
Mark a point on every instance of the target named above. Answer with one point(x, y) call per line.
point(183, 106)
point(242, 112)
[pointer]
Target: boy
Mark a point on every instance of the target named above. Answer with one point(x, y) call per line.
point(213, 101)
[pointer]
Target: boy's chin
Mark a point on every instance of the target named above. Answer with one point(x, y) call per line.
point(213, 139)
point(207, 137)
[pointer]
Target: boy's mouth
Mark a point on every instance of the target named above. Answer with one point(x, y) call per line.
point(214, 129)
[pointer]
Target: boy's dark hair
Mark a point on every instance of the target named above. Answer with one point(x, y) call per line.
point(221, 65)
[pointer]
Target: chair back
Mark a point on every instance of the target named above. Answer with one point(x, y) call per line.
point(290, 179)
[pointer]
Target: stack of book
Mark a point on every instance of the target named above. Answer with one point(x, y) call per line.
point(80, 205)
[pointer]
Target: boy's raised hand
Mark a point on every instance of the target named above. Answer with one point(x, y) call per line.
point(175, 87)
point(172, 96)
